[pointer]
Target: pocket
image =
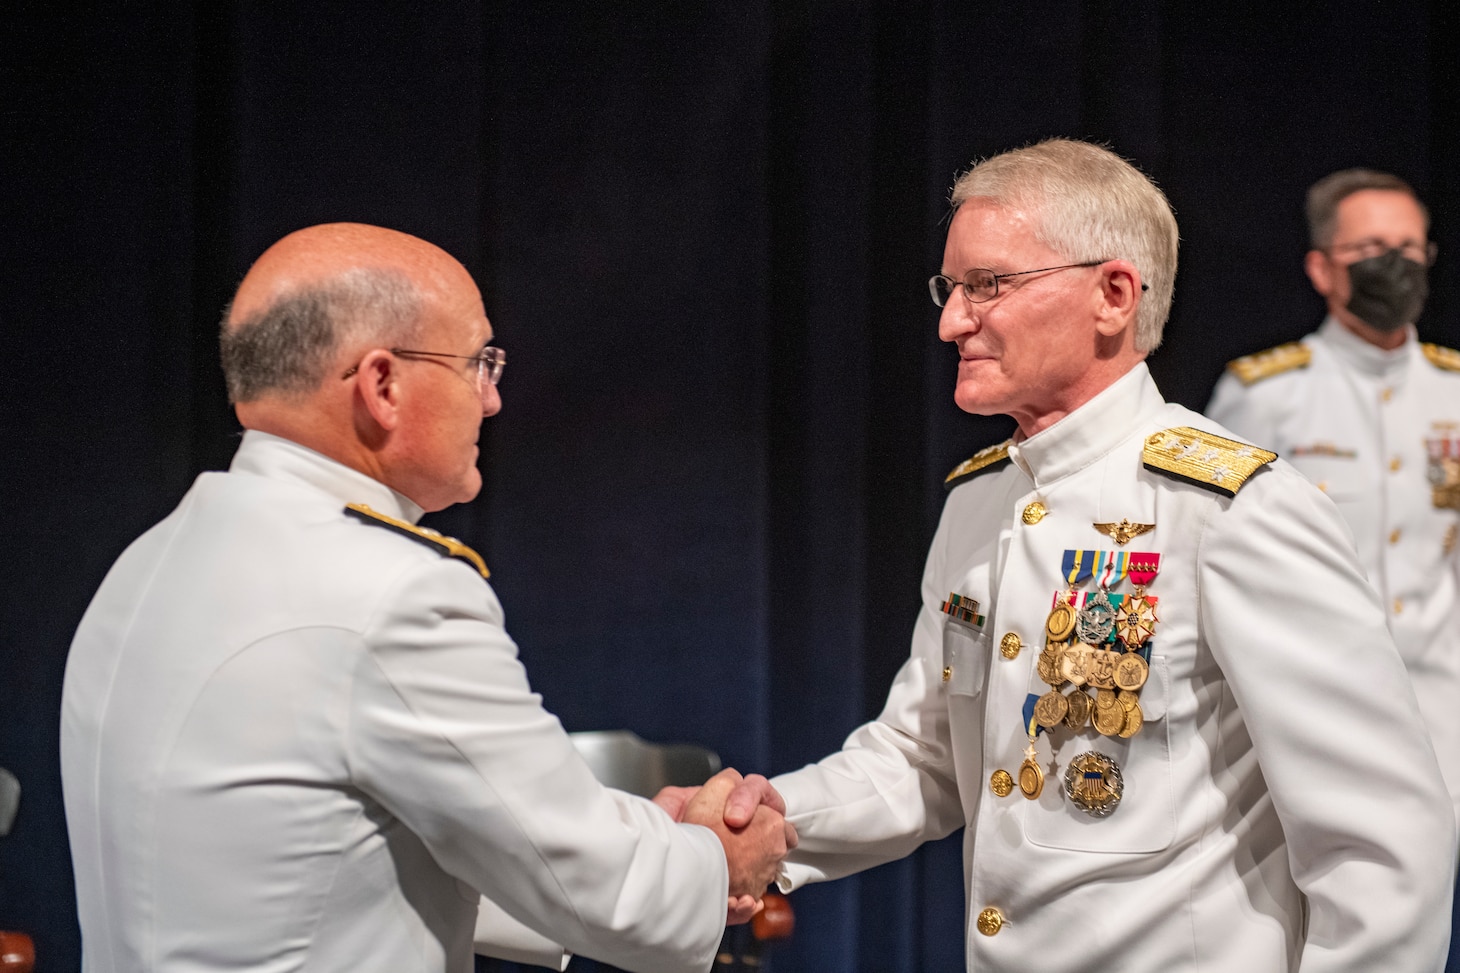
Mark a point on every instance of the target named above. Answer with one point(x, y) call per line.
point(1145, 821)
point(965, 657)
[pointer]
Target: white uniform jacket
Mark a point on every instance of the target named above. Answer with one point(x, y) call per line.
point(1363, 424)
point(295, 741)
point(1282, 804)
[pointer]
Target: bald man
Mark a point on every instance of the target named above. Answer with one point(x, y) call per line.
point(295, 733)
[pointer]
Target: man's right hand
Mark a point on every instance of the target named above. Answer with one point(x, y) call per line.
point(754, 851)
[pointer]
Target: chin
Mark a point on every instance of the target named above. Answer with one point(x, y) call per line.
point(974, 398)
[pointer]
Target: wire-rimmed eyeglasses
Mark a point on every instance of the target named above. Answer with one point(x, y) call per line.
point(491, 361)
point(980, 284)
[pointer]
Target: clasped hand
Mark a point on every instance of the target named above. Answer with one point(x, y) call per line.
point(749, 817)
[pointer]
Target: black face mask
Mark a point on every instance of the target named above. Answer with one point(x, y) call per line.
point(1388, 291)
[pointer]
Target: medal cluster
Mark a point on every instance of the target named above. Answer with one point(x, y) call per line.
point(1096, 660)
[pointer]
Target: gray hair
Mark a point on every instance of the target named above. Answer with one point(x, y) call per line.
point(1090, 205)
point(287, 347)
point(1325, 195)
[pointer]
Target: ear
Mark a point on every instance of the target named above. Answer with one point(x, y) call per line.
point(376, 390)
point(1320, 271)
point(1120, 294)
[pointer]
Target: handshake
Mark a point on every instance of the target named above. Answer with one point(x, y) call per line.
point(749, 818)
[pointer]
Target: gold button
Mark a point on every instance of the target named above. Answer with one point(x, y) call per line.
point(1033, 513)
point(1394, 464)
point(1323, 486)
point(947, 673)
point(1394, 536)
point(1398, 605)
point(1386, 395)
point(1010, 645)
point(990, 921)
point(1001, 782)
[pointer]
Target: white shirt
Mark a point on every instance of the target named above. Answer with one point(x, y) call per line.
point(1357, 421)
point(293, 741)
point(1282, 804)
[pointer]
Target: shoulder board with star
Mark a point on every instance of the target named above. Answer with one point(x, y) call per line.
point(1208, 461)
point(984, 461)
point(1442, 357)
point(447, 546)
point(1250, 369)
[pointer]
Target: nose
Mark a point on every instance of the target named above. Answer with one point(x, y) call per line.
point(491, 401)
point(958, 319)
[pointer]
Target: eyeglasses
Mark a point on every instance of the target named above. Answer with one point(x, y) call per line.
point(491, 361)
point(980, 285)
point(1423, 254)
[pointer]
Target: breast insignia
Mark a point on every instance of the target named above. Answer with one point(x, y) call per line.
point(1442, 357)
point(983, 461)
point(1208, 461)
point(1274, 361)
point(449, 546)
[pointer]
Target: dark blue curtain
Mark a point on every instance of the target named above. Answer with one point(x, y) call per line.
point(702, 231)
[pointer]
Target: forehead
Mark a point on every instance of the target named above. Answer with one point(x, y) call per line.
point(984, 233)
point(1379, 213)
point(455, 312)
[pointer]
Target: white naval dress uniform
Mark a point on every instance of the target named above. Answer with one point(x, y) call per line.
point(1357, 420)
point(1282, 804)
point(295, 741)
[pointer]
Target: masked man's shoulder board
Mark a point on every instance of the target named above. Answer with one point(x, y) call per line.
point(1250, 369)
point(1203, 459)
point(1442, 357)
point(446, 546)
point(983, 461)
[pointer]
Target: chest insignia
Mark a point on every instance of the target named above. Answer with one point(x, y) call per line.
point(1274, 361)
point(983, 461)
point(1123, 532)
point(1442, 357)
point(1198, 457)
point(448, 546)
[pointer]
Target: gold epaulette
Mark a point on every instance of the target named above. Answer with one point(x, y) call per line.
point(980, 462)
point(1199, 457)
point(449, 546)
point(1274, 361)
point(1442, 357)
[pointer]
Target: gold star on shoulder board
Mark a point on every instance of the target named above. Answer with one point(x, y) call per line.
point(1122, 532)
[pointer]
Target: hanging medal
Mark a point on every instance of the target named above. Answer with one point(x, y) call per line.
point(1031, 775)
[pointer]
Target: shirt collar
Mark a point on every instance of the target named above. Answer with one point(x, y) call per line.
point(1092, 430)
point(1363, 357)
point(263, 454)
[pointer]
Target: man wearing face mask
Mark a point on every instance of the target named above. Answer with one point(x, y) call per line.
point(1372, 416)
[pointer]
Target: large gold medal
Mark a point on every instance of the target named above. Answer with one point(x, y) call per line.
point(1109, 721)
point(1134, 720)
point(1100, 673)
point(1131, 672)
point(1049, 663)
point(1031, 778)
point(1093, 783)
point(1079, 709)
point(1050, 709)
point(1061, 622)
point(1074, 663)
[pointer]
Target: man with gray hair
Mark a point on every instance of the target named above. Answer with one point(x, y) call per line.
point(1148, 677)
point(295, 733)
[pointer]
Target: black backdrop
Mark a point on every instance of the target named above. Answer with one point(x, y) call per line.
point(702, 231)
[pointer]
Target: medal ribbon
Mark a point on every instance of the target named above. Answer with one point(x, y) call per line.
point(1117, 563)
point(1079, 565)
point(1031, 728)
point(1144, 567)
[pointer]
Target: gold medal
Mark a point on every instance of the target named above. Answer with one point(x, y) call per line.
point(1049, 664)
point(1075, 663)
point(1134, 720)
point(1105, 699)
point(1109, 721)
point(1131, 672)
point(1079, 709)
point(1127, 700)
point(1093, 783)
point(1031, 777)
point(1061, 622)
point(1100, 673)
point(1050, 709)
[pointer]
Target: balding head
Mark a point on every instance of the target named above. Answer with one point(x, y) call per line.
point(320, 294)
point(335, 340)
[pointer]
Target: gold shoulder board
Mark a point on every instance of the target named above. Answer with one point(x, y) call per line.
point(449, 546)
point(1274, 361)
point(1199, 457)
point(1442, 357)
point(980, 462)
